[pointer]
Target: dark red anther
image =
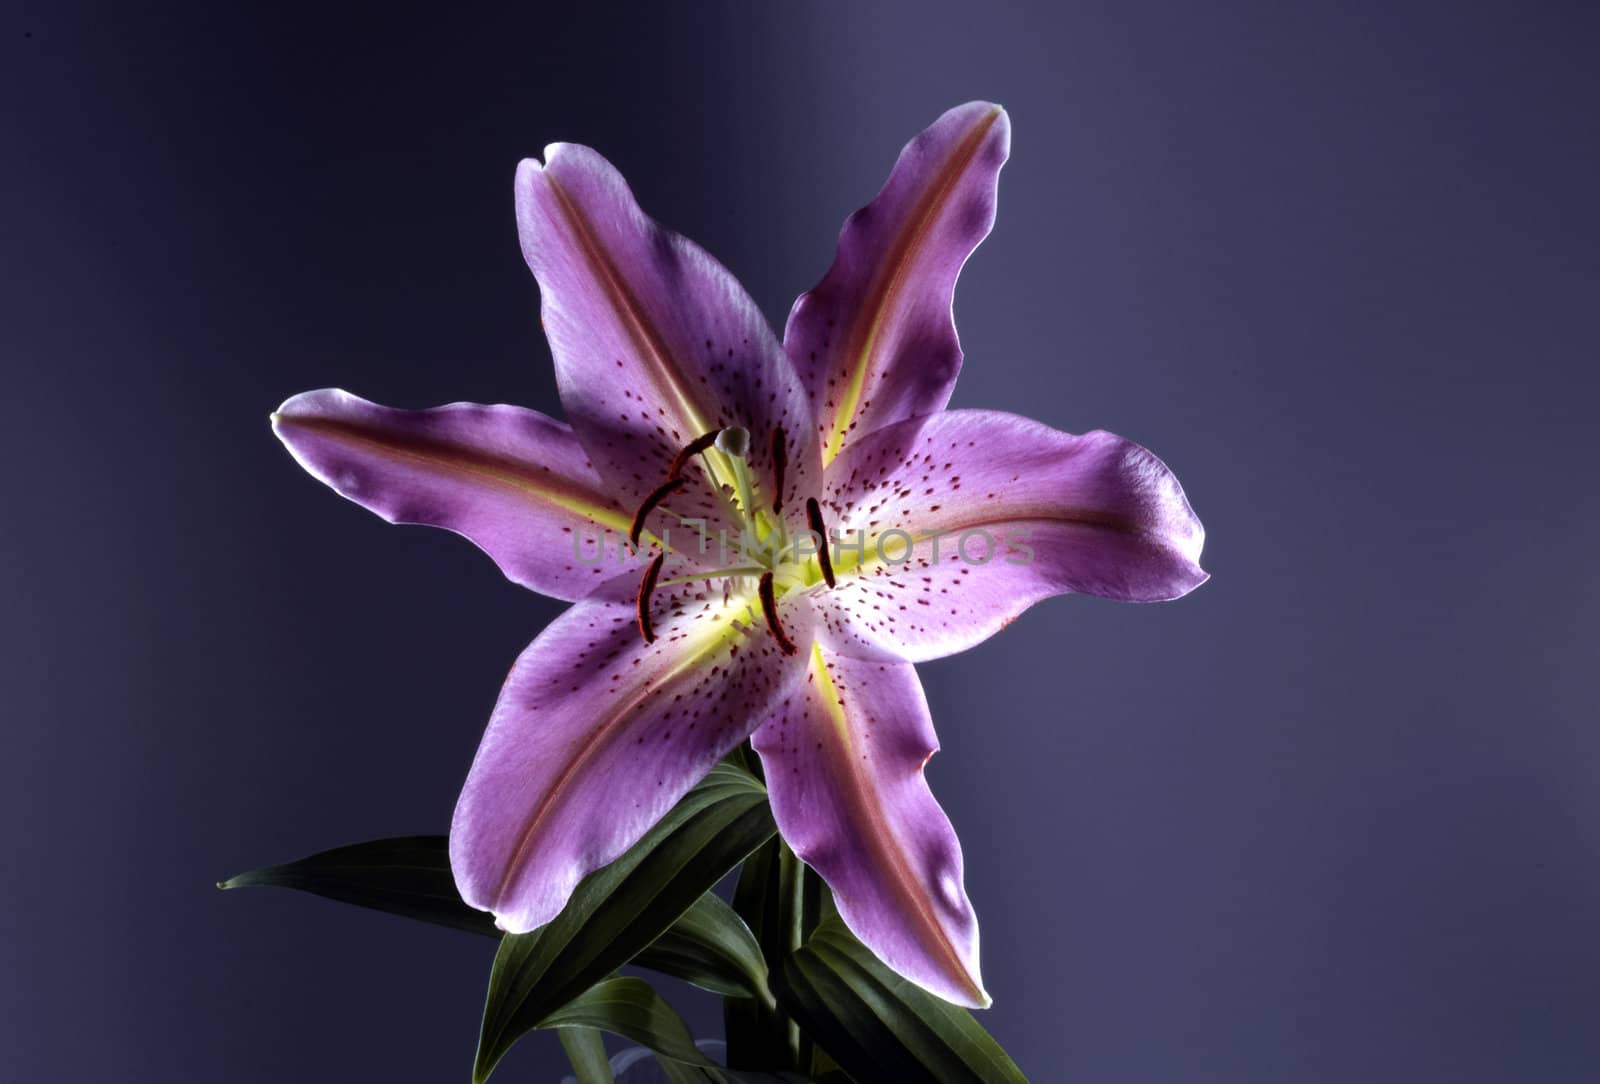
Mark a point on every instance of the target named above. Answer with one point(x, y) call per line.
point(769, 606)
point(690, 450)
point(647, 587)
point(657, 495)
point(820, 529)
point(780, 462)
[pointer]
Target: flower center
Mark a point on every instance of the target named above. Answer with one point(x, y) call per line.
point(768, 551)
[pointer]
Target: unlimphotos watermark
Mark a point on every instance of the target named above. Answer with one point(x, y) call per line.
point(973, 546)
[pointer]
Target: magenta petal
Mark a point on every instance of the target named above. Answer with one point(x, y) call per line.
point(875, 341)
point(844, 760)
point(597, 735)
point(655, 343)
point(511, 480)
point(1005, 511)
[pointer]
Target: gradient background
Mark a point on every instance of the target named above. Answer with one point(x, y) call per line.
point(1332, 818)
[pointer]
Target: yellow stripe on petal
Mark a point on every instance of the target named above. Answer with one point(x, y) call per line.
point(869, 816)
point(696, 648)
point(482, 468)
point(886, 286)
point(646, 338)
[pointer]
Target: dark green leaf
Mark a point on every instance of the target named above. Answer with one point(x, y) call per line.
point(586, 1050)
point(758, 1034)
point(630, 1008)
point(619, 910)
point(711, 947)
point(878, 1026)
point(409, 876)
point(782, 900)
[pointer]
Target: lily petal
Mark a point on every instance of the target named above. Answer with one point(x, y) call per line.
point(597, 734)
point(511, 480)
point(655, 343)
point(875, 340)
point(844, 760)
point(997, 512)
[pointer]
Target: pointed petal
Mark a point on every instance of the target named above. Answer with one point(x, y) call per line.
point(844, 760)
point(875, 341)
point(655, 343)
point(597, 734)
point(1004, 511)
point(511, 480)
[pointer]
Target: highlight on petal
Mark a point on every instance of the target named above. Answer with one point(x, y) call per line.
point(597, 734)
point(971, 516)
point(844, 760)
point(511, 480)
point(875, 341)
point(655, 342)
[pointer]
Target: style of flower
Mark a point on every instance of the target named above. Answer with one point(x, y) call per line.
point(690, 424)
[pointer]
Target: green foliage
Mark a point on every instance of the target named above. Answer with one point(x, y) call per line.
point(803, 999)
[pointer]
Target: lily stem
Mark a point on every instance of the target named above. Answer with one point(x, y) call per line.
point(797, 903)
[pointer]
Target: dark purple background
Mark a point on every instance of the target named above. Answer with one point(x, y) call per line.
point(1333, 818)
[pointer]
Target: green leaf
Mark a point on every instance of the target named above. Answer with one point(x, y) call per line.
point(711, 947)
point(619, 910)
point(782, 900)
point(408, 876)
point(630, 1008)
point(877, 1025)
point(758, 1034)
point(708, 946)
point(586, 1050)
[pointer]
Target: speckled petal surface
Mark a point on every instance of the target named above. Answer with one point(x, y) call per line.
point(995, 512)
point(597, 734)
point(654, 341)
point(875, 340)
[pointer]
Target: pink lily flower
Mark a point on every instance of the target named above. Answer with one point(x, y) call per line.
point(727, 457)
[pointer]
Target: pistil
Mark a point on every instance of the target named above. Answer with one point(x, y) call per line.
point(734, 442)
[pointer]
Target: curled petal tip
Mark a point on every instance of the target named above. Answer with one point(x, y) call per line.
point(875, 338)
point(843, 764)
point(513, 481)
point(977, 997)
point(510, 925)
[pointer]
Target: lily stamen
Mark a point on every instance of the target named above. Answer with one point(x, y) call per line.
point(769, 607)
point(657, 495)
point(820, 529)
point(690, 450)
point(596, 735)
point(647, 587)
